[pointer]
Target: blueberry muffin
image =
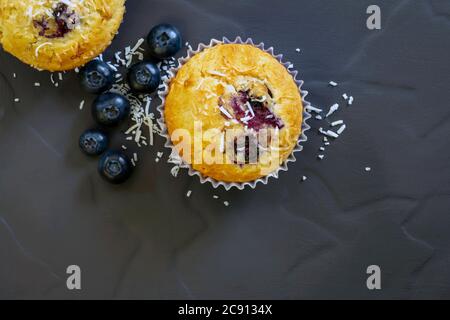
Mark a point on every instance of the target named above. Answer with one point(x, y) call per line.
point(234, 113)
point(58, 35)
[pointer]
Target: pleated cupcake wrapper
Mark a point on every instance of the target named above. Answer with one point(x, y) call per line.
point(203, 179)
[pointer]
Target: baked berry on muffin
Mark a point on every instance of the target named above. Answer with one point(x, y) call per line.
point(238, 110)
point(58, 35)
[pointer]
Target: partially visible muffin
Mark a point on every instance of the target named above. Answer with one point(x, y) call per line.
point(58, 35)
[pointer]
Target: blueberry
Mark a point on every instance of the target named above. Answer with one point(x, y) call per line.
point(144, 77)
point(96, 77)
point(164, 41)
point(93, 142)
point(110, 109)
point(115, 167)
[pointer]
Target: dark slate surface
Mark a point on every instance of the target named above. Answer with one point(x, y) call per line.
point(285, 240)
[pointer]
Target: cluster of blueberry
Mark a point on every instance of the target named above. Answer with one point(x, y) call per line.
point(110, 109)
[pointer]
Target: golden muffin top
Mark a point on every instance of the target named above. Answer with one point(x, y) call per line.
point(58, 35)
point(234, 113)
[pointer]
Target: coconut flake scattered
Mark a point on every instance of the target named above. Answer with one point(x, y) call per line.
point(217, 73)
point(329, 133)
point(174, 171)
point(225, 112)
point(368, 169)
point(333, 83)
point(188, 45)
point(333, 109)
point(36, 52)
point(175, 159)
point(140, 116)
point(81, 105)
point(119, 59)
point(350, 101)
point(132, 52)
point(113, 67)
point(336, 123)
point(188, 194)
point(341, 129)
point(313, 109)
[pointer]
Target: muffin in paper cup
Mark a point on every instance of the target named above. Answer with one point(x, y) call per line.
point(248, 104)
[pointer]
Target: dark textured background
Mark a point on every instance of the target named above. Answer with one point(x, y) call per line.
point(285, 240)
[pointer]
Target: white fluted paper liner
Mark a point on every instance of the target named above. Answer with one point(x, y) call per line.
point(203, 179)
